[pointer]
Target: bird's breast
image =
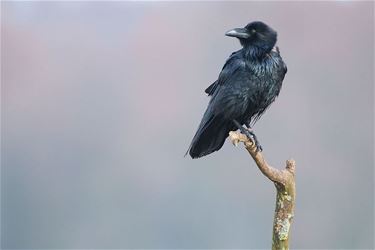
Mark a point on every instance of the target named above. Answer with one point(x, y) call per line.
point(265, 67)
point(265, 77)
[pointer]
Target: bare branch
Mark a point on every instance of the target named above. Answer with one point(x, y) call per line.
point(285, 185)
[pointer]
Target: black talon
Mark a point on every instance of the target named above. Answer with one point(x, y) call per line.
point(255, 140)
point(250, 134)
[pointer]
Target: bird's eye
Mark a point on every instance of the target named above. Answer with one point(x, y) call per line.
point(253, 31)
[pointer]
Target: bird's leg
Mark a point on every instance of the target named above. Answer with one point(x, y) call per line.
point(255, 139)
point(249, 133)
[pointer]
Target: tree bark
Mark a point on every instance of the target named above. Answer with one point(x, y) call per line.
point(284, 181)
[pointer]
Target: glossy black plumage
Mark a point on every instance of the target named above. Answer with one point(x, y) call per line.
point(249, 82)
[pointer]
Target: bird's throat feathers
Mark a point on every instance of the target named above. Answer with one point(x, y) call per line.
point(253, 52)
point(257, 49)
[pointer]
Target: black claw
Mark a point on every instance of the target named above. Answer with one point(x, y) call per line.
point(255, 141)
point(250, 134)
point(258, 146)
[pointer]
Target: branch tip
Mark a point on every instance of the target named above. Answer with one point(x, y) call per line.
point(291, 165)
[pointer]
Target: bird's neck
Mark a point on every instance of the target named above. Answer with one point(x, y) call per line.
point(255, 53)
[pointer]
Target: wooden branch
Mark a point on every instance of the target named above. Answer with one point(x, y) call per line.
point(286, 191)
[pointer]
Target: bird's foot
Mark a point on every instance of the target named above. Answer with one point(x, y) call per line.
point(251, 135)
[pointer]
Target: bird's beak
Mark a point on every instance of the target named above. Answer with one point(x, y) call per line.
point(239, 33)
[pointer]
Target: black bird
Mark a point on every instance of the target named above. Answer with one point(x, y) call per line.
point(249, 82)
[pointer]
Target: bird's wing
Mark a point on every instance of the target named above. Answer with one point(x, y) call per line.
point(211, 89)
point(225, 71)
point(230, 93)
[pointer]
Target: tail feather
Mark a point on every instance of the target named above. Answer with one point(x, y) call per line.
point(209, 137)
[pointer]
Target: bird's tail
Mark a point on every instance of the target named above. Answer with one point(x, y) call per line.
point(209, 137)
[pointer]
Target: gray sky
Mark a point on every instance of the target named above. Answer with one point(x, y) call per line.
point(101, 99)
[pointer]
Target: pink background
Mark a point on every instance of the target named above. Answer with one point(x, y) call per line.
point(100, 101)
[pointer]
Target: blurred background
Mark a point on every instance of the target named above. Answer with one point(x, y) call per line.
point(100, 100)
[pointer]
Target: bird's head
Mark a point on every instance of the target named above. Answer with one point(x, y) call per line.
point(256, 35)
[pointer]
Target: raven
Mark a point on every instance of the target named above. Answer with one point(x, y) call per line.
point(249, 82)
